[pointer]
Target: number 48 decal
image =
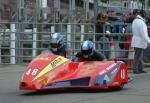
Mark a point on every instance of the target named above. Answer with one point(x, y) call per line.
point(32, 72)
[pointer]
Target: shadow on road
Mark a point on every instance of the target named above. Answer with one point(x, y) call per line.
point(70, 91)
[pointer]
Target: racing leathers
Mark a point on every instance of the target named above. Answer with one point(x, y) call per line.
point(94, 56)
point(64, 51)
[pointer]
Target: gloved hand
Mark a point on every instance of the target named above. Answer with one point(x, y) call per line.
point(73, 58)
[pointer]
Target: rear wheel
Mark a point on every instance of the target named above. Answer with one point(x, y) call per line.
point(117, 87)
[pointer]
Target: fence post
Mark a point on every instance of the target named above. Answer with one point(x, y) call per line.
point(1, 44)
point(12, 44)
point(52, 30)
point(0, 54)
point(44, 6)
point(34, 46)
point(82, 33)
point(94, 46)
point(69, 34)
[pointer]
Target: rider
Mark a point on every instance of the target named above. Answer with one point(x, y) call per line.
point(58, 47)
point(88, 54)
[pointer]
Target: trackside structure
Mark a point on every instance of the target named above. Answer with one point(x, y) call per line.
point(26, 27)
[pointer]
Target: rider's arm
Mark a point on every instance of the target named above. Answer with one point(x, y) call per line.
point(99, 56)
point(68, 51)
point(79, 57)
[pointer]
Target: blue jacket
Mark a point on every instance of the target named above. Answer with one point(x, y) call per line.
point(63, 51)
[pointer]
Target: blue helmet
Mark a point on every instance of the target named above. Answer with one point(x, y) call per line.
point(87, 47)
point(56, 41)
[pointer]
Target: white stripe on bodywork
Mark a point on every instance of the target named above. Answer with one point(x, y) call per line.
point(107, 69)
point(111, 66)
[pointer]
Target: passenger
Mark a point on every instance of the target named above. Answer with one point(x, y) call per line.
point(88, 54)
point(58, 47)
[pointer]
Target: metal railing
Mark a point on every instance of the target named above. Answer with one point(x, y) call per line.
point(20, 42)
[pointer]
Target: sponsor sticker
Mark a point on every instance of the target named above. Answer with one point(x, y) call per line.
point(87, 70)
point(55, 63)
point(115, 83)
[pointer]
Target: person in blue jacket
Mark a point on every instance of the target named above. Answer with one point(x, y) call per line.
point(58, 46)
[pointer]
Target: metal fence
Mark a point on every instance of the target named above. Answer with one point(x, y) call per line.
point(34, 22)
point(20, 42)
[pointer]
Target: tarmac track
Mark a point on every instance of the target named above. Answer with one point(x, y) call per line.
point(136, 91)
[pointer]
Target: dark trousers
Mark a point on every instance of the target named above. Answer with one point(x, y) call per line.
point(138, 63)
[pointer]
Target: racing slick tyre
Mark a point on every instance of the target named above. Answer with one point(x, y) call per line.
point(115, 88)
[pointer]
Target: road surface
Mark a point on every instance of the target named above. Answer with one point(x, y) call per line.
point(137, 91)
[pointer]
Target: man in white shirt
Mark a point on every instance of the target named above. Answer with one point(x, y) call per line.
point(140, 40)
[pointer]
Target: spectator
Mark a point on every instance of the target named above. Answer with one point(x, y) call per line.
point(148, 23)
point(101, 20)
point(139, 41)
point(104, 39)
point(88, 54)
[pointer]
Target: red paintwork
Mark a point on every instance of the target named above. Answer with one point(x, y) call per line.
point(69, 70)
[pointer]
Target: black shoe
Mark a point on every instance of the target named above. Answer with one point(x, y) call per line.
point(143, 71)
point(130, 79)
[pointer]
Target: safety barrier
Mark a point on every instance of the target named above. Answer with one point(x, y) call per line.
point(20, 42)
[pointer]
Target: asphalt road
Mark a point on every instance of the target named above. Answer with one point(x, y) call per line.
point(136, 91)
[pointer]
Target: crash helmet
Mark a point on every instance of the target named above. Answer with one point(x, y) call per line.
point(56, 41)
point(87, 48)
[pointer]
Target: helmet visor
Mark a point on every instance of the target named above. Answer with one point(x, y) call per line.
point(55, 45)
point(86, 52)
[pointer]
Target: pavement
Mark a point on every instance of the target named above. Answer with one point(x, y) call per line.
point(131, 75)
